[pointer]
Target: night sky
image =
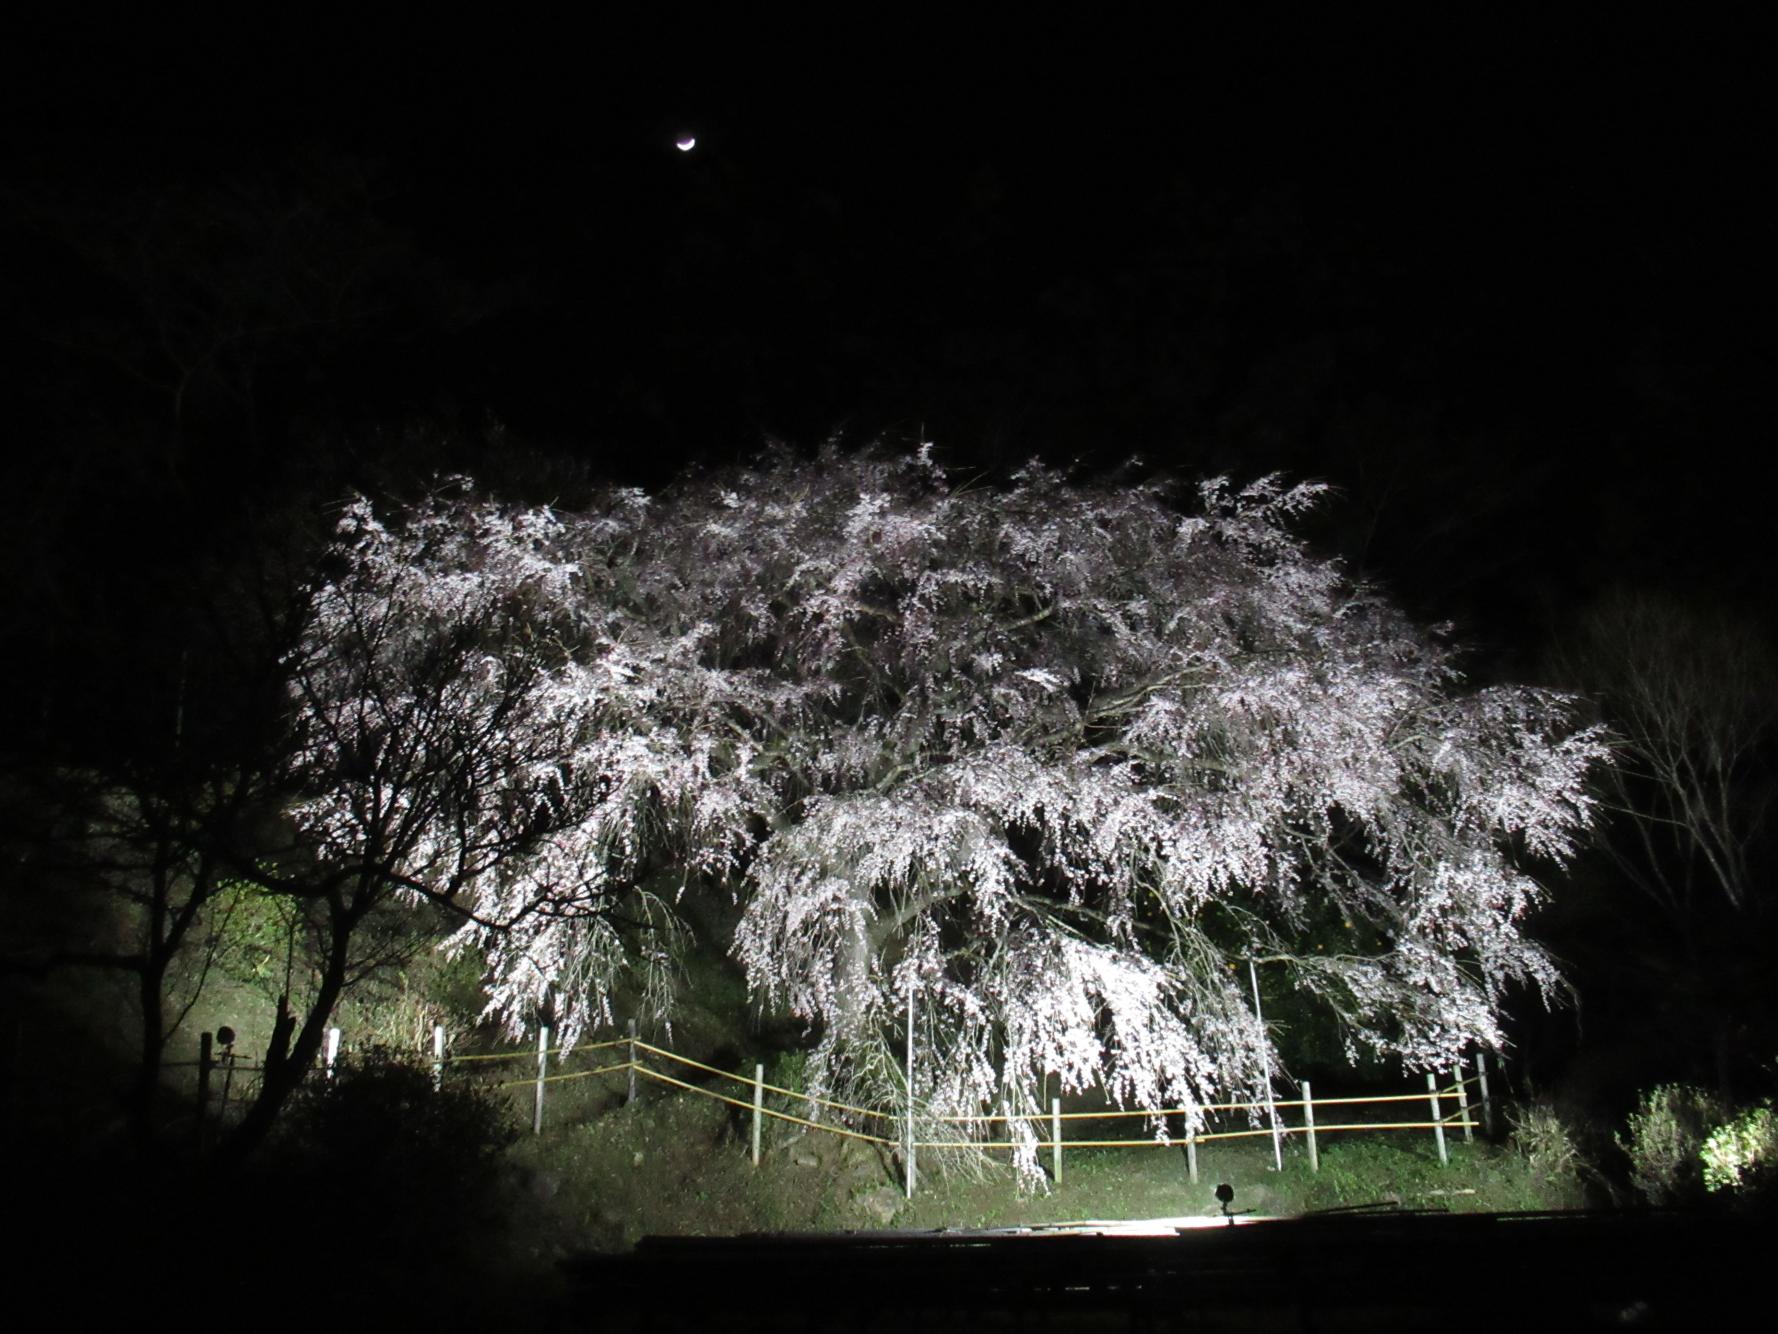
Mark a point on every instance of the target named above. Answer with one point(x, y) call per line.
point(1509, 290)
point(1525, 272)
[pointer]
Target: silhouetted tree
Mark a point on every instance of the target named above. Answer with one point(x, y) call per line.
point(1687, 690)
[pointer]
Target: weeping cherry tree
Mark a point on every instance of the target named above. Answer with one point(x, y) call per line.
point(1059, 759)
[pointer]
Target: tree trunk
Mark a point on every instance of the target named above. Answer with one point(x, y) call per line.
point(162, 943)
point(150, 980)
point(281, 1078)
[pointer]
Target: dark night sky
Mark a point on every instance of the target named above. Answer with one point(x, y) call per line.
point(1506, 287)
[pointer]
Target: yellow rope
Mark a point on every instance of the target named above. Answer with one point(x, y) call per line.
point(765, 1111)
point(767, 1088)
point(1113, 1113)
point(552, 1079)
point(1107, 1115)
point(1380, 1097)
point(1092, 1143)
point(1374, 1125)
point(1175, 1142)
point(1116, 1112)
point(532, 1052)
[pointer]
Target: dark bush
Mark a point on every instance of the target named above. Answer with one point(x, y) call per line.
point(379, 1157)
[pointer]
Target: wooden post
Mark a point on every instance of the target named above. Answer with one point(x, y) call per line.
point(908, 1185)
point(542, 1070)
point(1481, 1074)
point(333, 1050)
point(759, 1097)
point(438, 1044)
point(630, 1089)
point(206, 1062)
point(1463, 1105)
point(1309, 1125)
point(1056, 1139)
point(1438, 1126)
point(1191, 1155)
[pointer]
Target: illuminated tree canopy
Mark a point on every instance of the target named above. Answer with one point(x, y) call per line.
point(1060, 757)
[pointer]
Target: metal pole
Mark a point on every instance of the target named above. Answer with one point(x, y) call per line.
point(1481, 1074)
point(909, 1184)
point(542, 1070)
point(1056, 1139)
point(1265, 1057)
point(759, 1097)
point(1309, 1124)
point(630, 1091)
point(1438, 1126)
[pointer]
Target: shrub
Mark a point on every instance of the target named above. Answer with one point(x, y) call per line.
point(381, 1113)
point(1666, 1137)
point(1742, 1155)
point(1547, 1144)
point(415, 1169)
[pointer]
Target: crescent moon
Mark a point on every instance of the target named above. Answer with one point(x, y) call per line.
point(686, 143)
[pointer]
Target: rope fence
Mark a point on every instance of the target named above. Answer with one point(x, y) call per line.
point(1454, 1104)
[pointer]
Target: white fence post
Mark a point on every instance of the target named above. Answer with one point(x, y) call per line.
point(630, 1090)
point(542, 1070)
point(909, 1184)
point(1438, 1125)
point(909, 1181)
point(1056, 1139)
point(438, 1045)
point(1463, 1105)
point(333, 1050)
point(759, 1097)
point(1309, 1125)
point(1191, 1154)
